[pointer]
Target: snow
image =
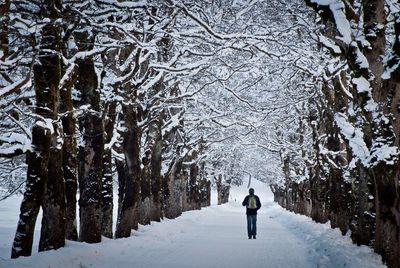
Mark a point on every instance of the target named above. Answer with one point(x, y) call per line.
point(10, 88)
point(362, 84)
point(46, 123)
point(387, 74)
point(355, 137)
point(361, 60)
point(342, 24)
point(329, 44)
point(212, 237)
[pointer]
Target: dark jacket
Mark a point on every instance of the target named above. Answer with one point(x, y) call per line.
point(250, 211)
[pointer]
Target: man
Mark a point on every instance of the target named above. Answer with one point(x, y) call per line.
point(252, 203)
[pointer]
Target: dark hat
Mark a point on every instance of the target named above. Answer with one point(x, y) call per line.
point(251, 191)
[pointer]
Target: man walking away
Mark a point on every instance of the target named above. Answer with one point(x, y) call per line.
point(252, 203)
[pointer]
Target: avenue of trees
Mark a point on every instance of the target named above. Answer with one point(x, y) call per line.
point(158, 101)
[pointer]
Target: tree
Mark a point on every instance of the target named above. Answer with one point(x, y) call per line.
point(43, 185)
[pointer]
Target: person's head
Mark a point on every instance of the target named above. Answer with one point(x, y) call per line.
point(251, 191)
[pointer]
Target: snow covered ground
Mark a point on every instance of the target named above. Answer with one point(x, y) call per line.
point(213, 237)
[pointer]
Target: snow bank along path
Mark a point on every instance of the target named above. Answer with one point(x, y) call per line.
point(213, 237)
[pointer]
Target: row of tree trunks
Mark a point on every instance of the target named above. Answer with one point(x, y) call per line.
point(186, 190)
point(354, 192)
point(69, 154)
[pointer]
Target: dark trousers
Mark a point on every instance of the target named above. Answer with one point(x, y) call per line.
point(251, 225)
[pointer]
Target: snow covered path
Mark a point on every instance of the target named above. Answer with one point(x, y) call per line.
point(214, 237)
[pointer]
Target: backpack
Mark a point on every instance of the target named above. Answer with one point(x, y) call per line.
point(252, 202)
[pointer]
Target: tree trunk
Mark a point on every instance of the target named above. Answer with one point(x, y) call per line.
point(151, 202)
point(156, 179)
point(145, 187)
point(385, 173)
point(128, 217)
point(218, 181)
point(318, 186)
point(91, 152)
point(35, 184)
point(120, 165)
point(185, 193)
point(69, 159)
point(173, 192)
point(107, 183)
point(193, 188)
point(47, 77)
point(90, 180)
point(4, 21)
point(53, 231)
point(53, 203)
